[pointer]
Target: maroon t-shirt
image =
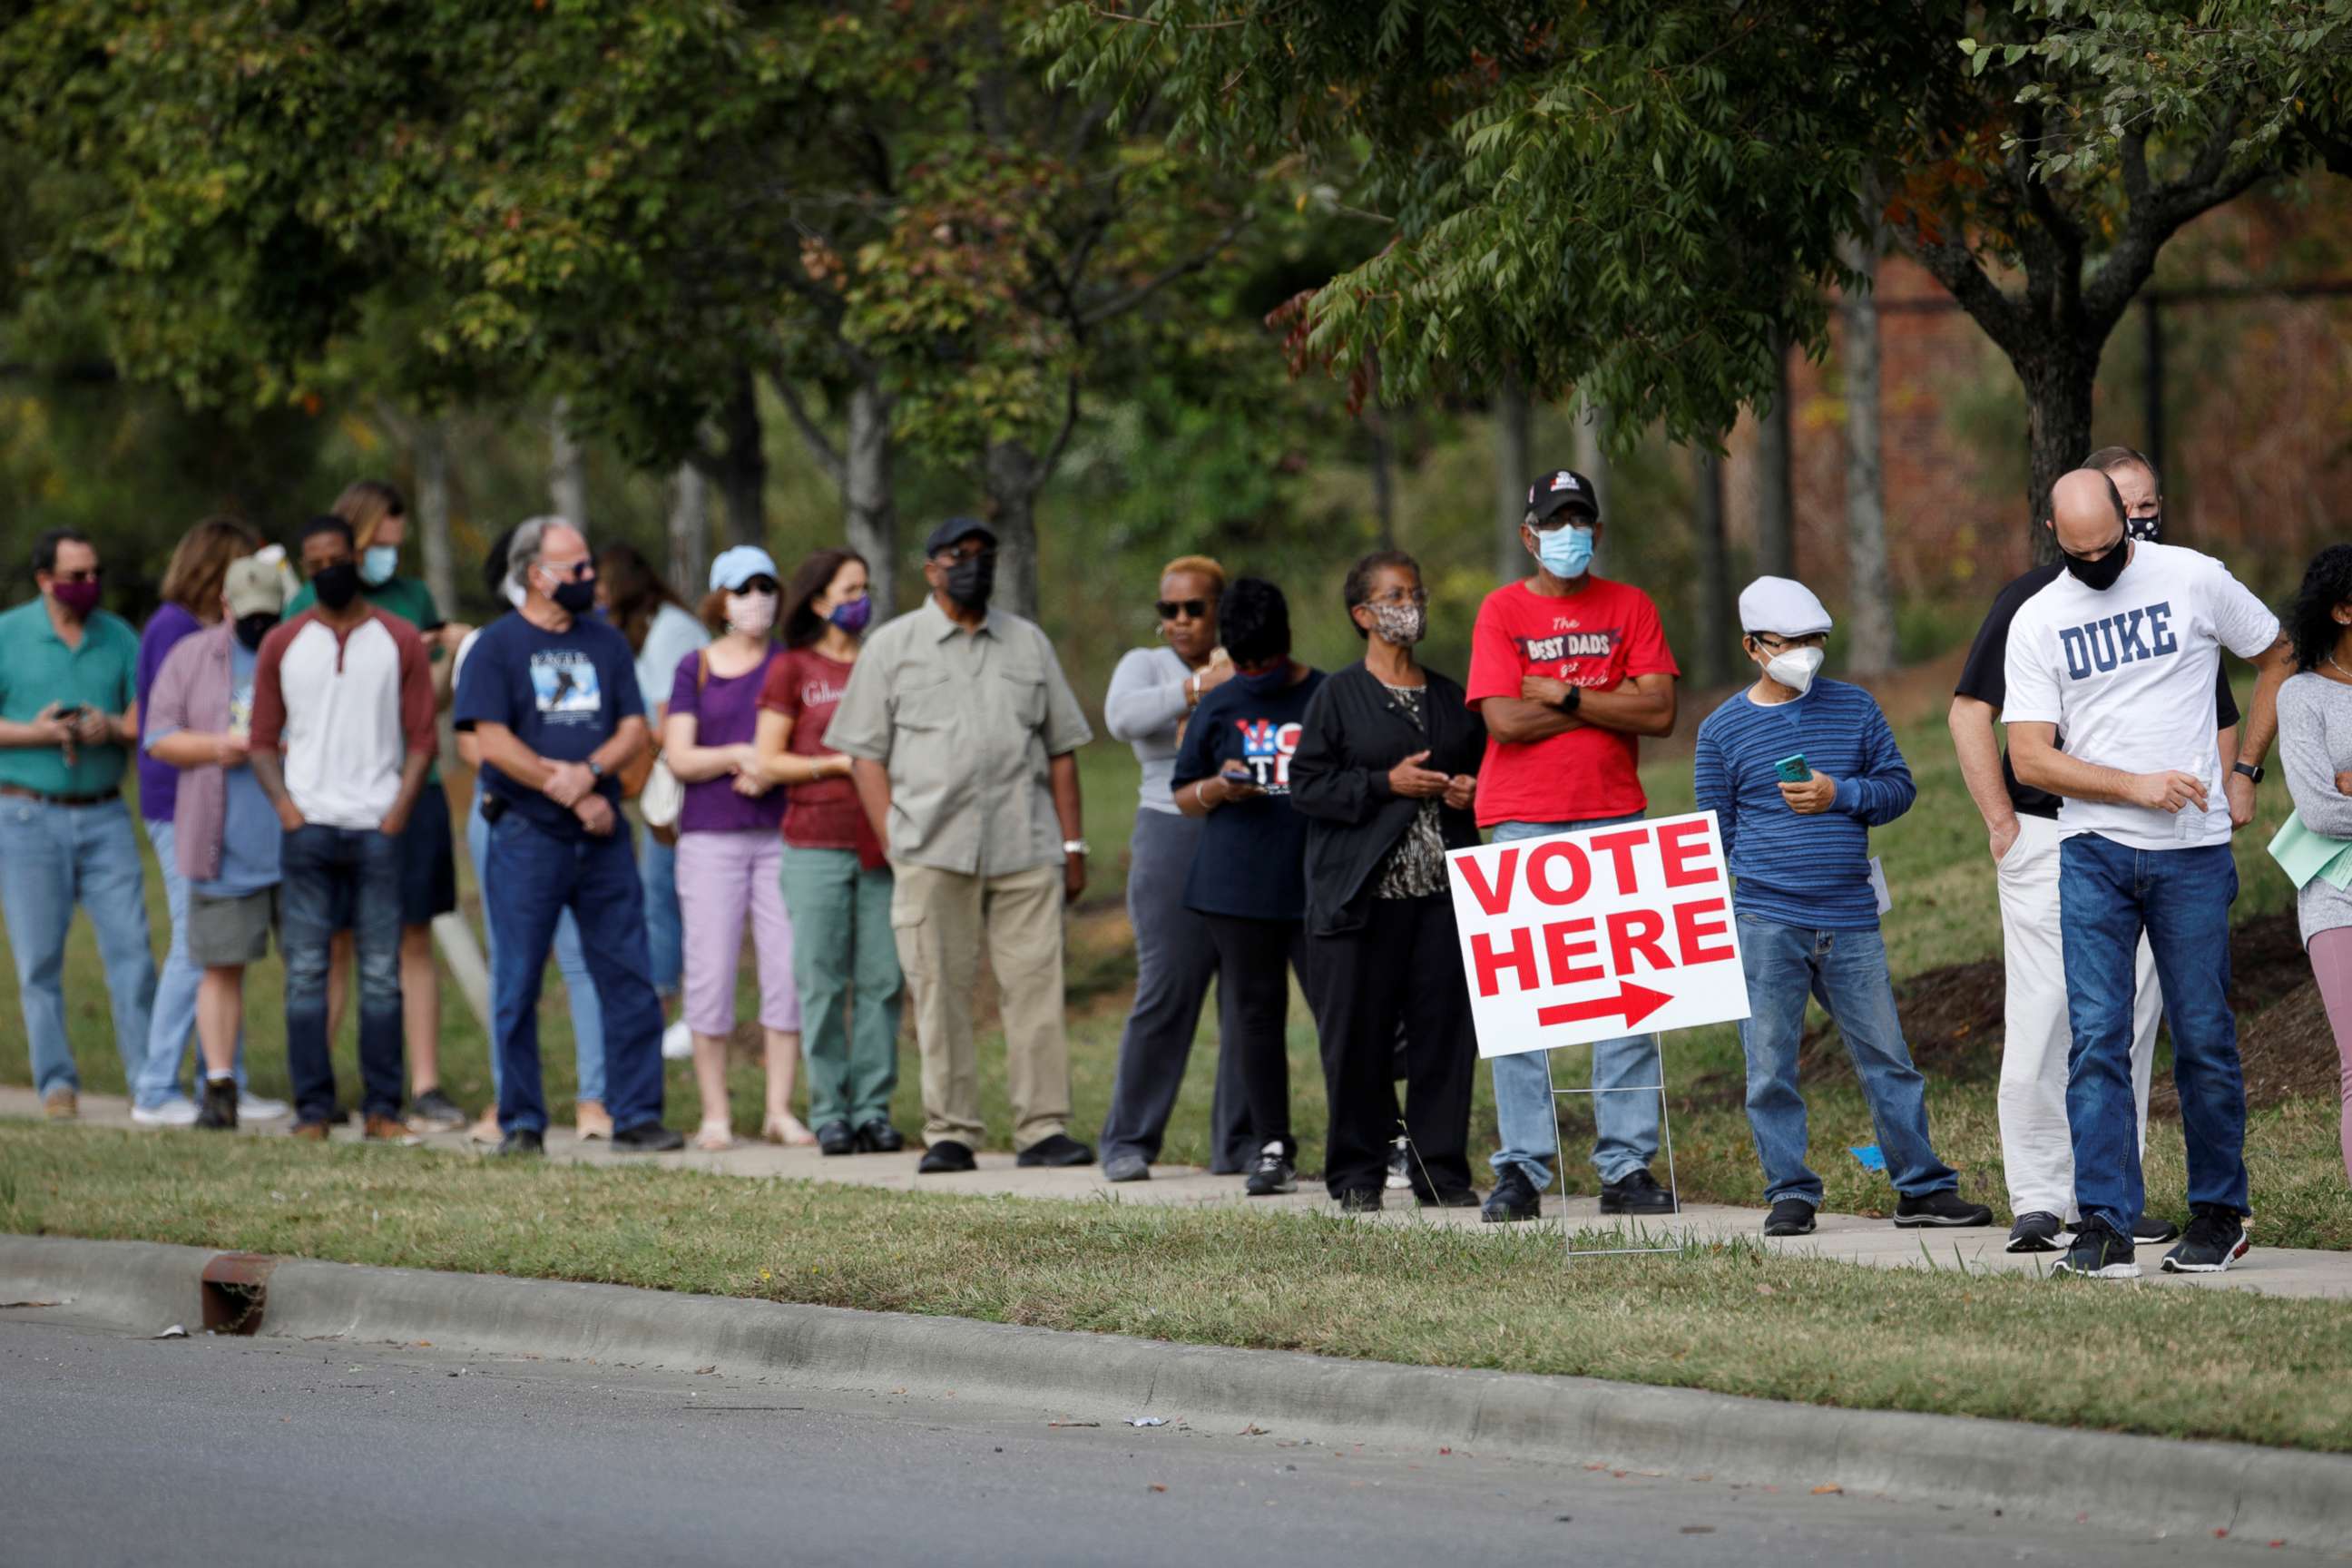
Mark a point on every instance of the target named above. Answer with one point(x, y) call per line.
point(805, 687)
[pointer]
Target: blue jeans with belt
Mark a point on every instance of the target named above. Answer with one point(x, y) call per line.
point(51, 858)
point(173, 1022)
point(587, 1017)
point(1624, 1124)
point(326, 872)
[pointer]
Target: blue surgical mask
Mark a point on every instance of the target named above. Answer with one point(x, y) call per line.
point(1567, 552)
point(377, 564)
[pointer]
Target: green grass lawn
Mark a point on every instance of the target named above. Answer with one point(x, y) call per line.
point(2187, 1363)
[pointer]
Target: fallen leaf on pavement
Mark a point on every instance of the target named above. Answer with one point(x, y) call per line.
point(1157, 1488)
point(1826, 1492)
point(1072, 1423)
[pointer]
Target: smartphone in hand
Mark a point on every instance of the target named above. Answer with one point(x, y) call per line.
point(1793, 769)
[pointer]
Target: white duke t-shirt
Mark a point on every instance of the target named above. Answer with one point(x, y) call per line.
point(2127, 676)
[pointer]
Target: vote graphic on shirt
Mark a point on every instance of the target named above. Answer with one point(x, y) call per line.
point(1251, 860)
point(1267, 746)
point(564, 681)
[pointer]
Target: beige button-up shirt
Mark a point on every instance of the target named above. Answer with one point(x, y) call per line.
point(966, 722)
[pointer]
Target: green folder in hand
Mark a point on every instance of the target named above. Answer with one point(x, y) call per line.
point(2303, 855)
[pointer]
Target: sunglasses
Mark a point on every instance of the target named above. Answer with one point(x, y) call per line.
point(1191, 609)
point(763, 585)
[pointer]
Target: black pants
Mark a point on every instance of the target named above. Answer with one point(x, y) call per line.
point(1254, 959)
point(1404, 966)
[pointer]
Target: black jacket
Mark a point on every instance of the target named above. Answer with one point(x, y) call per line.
point(1355, 732)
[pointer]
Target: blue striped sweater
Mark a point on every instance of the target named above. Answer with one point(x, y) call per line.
point(1807, 871)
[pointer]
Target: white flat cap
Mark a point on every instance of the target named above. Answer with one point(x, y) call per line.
point(1783, 606)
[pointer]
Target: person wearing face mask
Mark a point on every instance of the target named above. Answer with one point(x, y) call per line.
point(836, 878)
point(964, 737)
point(729, 857)
point(1798, 770)
point(550, 696)
point(226, 838)
point(2117, 654)
point(1568, 670)
point(1386, 777)
point(2021, 828)
point(68, 717)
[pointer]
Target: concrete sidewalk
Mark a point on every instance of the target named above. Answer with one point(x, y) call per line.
point(1851, 1238)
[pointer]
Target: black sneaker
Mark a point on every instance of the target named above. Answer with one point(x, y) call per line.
point(1636, 1192)
point(1514, 1198)
point(2216, 1239)
point(835, 1138)
point(2036, 1231)
point(1400, 1175)
point(650, 1138)
point(945, 1158)
point(2149, 1231)
point(1271, 1174)
point(1360, 1200)
point(434, 1111)
point(1945, 1207)
point(878, 1137)
point(522, 1140)
point(1789, 1216)
point(217, 1109)
point(1054, 1149)
point(2098, 1253)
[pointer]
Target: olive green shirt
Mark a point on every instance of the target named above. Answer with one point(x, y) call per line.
point(966, 722)
point(37, 668)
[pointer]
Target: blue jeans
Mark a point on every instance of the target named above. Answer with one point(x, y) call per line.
point(1624, 1126)
point(664, 930)
point(587, 1017)
point(2108, 893)
point(1847, 970)
point(534, 877)
point(174, 1024)
point(327, 872)
point(52, 857)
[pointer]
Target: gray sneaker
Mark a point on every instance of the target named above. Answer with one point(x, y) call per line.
point(1128, 1167)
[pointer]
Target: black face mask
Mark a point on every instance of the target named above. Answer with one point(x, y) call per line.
point(2100, 575)
point(252, 629)
point(2148, 530)
point(575, 598)
point(336, 585)
point(973, 579)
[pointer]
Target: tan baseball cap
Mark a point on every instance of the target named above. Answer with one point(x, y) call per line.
point(255, 587)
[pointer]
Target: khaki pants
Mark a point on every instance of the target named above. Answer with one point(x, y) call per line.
point(940, 919)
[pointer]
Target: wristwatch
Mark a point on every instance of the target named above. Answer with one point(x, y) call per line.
point(596, 769)
point(2252, 770)
point(1572, 701)
point(1074, 847)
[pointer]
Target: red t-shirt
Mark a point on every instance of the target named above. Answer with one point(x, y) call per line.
point(806, 687)
point(1606, 633)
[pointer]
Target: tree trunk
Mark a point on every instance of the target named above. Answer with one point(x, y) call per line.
point(1383, 467)
point(869, 493)
point(1512, 466)
point(1717, 640)
point(1776, 531)
point(567, 467)
point(1592, 452)
point(431, 446)
point(1870, 592)
point(2058, 382)
point(689, 529)
point(1014, 477)
point(742, 472)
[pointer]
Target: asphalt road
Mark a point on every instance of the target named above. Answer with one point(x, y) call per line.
point(117, 1450)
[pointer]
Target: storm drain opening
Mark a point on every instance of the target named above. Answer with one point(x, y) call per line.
point(236, 1289)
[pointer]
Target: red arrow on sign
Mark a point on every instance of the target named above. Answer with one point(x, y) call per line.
point(1635, 1002)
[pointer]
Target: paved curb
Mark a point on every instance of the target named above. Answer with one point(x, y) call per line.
point(2118, 1481)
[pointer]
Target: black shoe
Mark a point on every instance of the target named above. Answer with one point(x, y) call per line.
point(1271, 1175)
point(835, 1138)
point(650, 1138)
point(946, 1157)
point(1360, 1200)
point(1514, 1198)
point(218, 1108)
point(1789, 1216)
point(2035, 1231)
point(2216, 1239)
point(1056, 1149)
point(522, 1140)
point(2098, 1253)
point(1448, 1198)
point(1636, 1192)
point(878, 1137)
point(434, 1111)
point(1945, 1207)
point(2151, 1232)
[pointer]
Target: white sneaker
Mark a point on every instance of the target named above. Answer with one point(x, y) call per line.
point(255, 1108)
point(678, 1043)
point(177, 1111)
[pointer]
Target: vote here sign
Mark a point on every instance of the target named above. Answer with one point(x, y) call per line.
point(1590, 935)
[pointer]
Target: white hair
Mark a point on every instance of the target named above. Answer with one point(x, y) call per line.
point(522, 552)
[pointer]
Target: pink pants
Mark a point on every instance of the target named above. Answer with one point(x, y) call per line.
point(722, 877)
point(2331, 961)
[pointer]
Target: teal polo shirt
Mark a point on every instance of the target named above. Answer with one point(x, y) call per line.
point(37, 668)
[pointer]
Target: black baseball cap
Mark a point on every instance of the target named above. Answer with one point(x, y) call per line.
point(1561, 489)
point(954, 532)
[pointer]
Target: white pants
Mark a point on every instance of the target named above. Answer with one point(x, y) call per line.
point(2036, 1149)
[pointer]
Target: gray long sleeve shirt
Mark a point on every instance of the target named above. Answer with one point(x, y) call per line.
point(1146, 708)
point(2314, 740)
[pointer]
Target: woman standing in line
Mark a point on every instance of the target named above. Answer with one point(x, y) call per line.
point(1153, 694)
point(729, 856)
point(2315, 729)
point(836, 880)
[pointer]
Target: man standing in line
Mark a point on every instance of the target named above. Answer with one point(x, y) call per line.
point(965, 736)
point(1569, 670)
point(67, 671)
point(345, 692)
point(551, 695)
point(2022, 823)
point(2118, 653)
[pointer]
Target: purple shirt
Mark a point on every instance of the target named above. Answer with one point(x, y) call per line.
point(158, 782)
point(726, 713)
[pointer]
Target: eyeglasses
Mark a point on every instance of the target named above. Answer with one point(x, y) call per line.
point(578, 571)
point(84, 574)
point(1771, 644)
point(1189, 610)
point(1401, 596)
point(968, 549)
point(1564, 518)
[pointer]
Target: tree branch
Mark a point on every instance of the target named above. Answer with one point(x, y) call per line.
point(1121, 304)
point(828, 456)
point(2003, 315)
point(1061, 442)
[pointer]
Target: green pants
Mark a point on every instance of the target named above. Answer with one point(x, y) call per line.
point(846, 964)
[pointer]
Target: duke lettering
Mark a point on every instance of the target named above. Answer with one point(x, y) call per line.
point(2128, 636)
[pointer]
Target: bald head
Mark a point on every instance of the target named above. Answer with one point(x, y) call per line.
point(2087, 511)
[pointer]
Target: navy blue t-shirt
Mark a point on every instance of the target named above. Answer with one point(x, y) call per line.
point(1251, 860)
point(562, 693)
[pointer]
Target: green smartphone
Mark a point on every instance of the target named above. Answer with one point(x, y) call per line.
point(1793, 769)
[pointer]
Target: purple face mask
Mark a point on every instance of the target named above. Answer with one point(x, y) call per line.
point(80, 598)
point(851, 614)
